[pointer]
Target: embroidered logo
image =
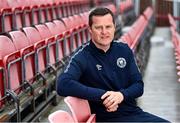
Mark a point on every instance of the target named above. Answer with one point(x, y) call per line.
point(121, 62)
point(99, 67)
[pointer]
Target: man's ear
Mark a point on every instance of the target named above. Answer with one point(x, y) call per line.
point(90, 30)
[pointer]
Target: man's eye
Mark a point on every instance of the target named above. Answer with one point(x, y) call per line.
point(97, 27)
point(108, 27)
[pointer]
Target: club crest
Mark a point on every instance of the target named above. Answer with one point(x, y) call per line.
point(121, 62)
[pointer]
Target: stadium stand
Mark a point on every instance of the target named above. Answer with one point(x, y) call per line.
point(41, 35)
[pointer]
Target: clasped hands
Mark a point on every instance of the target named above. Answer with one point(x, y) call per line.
point(111, 100)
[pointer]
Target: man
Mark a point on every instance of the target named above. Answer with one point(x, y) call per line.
point(104, 72)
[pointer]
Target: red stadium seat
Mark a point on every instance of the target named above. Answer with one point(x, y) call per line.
point(60, 26)
point(80, 109)
point(69, 22)
point(7, 23)
point(53, 28)
point(44, 31)
point(32, 34)
point(68, 45)
point(22, 43)
point(27, 16)
point(35, 15)
point(60, 117)
point(12, 63)
point(61, 48)
point(18, 12)
point(43, 14)
point(42, 58)
point(76, 40)
point(4, 43)
point(34, 37)
point(14, 71)
point(50, 42)
point(19, 39)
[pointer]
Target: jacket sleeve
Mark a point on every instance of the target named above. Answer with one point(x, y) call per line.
point(136, 85)
point(68, 83)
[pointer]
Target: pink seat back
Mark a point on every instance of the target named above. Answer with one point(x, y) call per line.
point(19, 39)
point(4, 43)
point(60, 117)
point(79, 107)
point(44, 31)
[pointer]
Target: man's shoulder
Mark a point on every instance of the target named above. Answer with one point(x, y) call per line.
point(120, 44)
point(81, 51)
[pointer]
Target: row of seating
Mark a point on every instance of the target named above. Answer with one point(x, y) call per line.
point(24, 3)
point(30, 64)
point(139, 26)
point(138, 37)
point(127, 12)
point(176, 42)
point(15, 18)
point(80, 112)
point(31, 59)
point(125, 6)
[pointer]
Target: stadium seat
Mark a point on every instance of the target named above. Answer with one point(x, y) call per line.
point(80, 109)
point(60, 116)
point(68, 44)
point(4, 43)
point(18, 14)
point(50, 41)
point(69, 22)
point(65, 10)
point(7, 22)
point(60, 50)
point(22, 43)
point(15, 85)
point(75, 39)
point(27, 16)
point(19, 39)
point(55, 28)
point(35, 39)
point(32, 34)
point(59, 9)
point(60, 25)
point(36, 15)
point(43, 69)
point(44, 31)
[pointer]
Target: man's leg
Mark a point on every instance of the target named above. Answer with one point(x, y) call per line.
point(136, 117)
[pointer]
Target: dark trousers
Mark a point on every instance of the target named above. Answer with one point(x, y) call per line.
point(135, 117)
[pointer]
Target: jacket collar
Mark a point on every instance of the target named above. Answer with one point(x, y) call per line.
point(97, 50)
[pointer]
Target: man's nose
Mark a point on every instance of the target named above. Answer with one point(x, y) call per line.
point(103, 30)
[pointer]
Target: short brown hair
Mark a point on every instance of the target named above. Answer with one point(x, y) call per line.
point(100, 11)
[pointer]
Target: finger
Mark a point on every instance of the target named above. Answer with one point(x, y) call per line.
point(112, 109)
point(105, 95)
point(115, 104)
point(109, 99)
point(108, 104)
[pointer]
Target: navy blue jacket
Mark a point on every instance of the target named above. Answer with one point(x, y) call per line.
point(91, 72)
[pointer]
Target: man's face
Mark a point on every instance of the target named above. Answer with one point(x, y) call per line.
point(102, 30)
